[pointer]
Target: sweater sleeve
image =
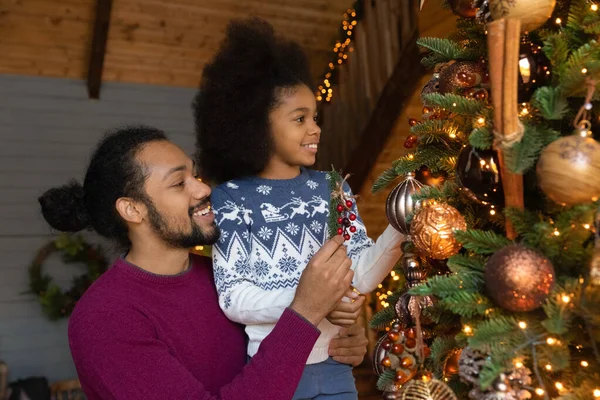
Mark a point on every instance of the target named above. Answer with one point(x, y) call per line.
point(119, 357)
point(372, 261)
point(240, 298)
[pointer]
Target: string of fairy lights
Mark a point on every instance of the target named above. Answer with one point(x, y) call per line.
point(342, 47)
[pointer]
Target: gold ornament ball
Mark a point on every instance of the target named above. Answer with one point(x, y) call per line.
point(568, 170)
point(532, 13)
point(432, 230)
point(519, 279)
point(419, 389)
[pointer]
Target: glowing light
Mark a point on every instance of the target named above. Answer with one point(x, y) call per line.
point(556, 233)
point(551, 341)
point(594, 7)
point(559, 386)
point(586, 226)
point(481, 120)
point(492, 212)
point(453, 104)
point(467, 329)
point(452, 135)
point(596, 392)
point(518, 364)
point(199, 248)
point(585, 364)
point(539, 391)
point(584, 70)
point(548, 367)
point(522, 325)
point(566, 298)
point(411, 156)
point(558, 21)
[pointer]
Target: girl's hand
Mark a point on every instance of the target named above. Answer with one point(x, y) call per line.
point(347, 310)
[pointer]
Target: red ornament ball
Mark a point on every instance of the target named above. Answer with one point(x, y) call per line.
point(340, 208)
point(412, 121)
point(481, 95)
point(339, 220)
point(353, 229)
point(386, 345)
point(346, 236)
point(397, 348)
point(340, 231)
point(410, 343)
point(352, 217)
point(349, 203)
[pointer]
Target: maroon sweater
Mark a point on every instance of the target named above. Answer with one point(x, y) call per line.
point(135, 335)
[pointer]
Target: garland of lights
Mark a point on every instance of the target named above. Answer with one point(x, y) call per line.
point(342, 46)
point(55, 303)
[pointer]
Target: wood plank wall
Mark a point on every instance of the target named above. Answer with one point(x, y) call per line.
point(150, 41)
point(47, 131)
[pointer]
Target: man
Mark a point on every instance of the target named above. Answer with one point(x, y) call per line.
point(151, 326)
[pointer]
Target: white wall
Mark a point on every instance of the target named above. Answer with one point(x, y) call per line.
point(48, 128)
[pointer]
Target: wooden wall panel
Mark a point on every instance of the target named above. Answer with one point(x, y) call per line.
point(150, 41)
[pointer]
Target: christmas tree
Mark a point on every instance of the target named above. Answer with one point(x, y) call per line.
point(499, 197)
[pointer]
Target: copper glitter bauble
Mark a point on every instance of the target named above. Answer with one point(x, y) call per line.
point(432, 230)
point(519, 279)
point(451, 363)
point(568, 170)
point(460, 75)
point(532, 13)
point(419, 389)
point(400, 204)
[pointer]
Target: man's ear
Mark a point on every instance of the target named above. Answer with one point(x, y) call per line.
point(130, 210)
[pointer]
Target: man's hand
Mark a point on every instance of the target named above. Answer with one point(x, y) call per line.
point(350, 346)
point(347, 310)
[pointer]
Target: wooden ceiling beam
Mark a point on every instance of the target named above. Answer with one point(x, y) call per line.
point(99, 40)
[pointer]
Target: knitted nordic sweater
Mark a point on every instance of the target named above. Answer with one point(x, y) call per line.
point(270, 229)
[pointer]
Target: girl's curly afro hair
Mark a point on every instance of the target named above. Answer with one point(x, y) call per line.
point(239, 88)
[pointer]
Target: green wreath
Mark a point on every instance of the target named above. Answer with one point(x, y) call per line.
point(55, 303)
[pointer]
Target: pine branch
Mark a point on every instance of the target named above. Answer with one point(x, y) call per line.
point(447, 190)
point(447, 285)
point(383, 317)
point(551, 103)
point(573, 80)
point(481, 242)
point(522, 221)
point(441, 347)
point(436, 127)
point(384, 180)
point(455, 103)
point(481, 138)
point(444, 50)
point(522, 156)
point(467, 304)
point(493, 331)
point(386, 379)
point(334, 179)
point(466, 263)
point(556, 48)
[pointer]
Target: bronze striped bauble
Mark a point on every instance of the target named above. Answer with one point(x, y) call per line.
point(400, 204)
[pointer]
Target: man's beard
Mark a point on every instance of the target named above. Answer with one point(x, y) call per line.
point(178, 239)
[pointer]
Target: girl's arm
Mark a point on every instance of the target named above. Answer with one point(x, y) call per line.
point(372, 261)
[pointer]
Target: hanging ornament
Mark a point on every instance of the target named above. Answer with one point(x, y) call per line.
point(450, 367)
point(458, 75)
point(411, 141)
point(478, 172)
point(397, 350)
point(426, 389)
point(532, 13)
point(400, 204)
point(433, 86)
point(408, 307)
point(534, 69)
point(482, 15)
point(568, 168)
point(519, 279)
point(432, 230)
point(426, 177)
point(463, 8)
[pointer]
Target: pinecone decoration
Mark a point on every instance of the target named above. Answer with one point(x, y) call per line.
point(509, 386)
point(483, 15)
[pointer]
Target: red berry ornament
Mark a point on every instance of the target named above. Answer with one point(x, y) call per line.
point(346, 237)
point(340, 231)
point(353, 229)
point(349, 203)
point(352, 217)
point(340, 219)
point(340, 208)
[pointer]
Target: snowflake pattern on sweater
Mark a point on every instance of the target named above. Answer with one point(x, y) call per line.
point(271, 229)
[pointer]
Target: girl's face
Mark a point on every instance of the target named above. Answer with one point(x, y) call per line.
point(295, 133)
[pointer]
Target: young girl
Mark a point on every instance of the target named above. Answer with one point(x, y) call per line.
point(257, 133)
